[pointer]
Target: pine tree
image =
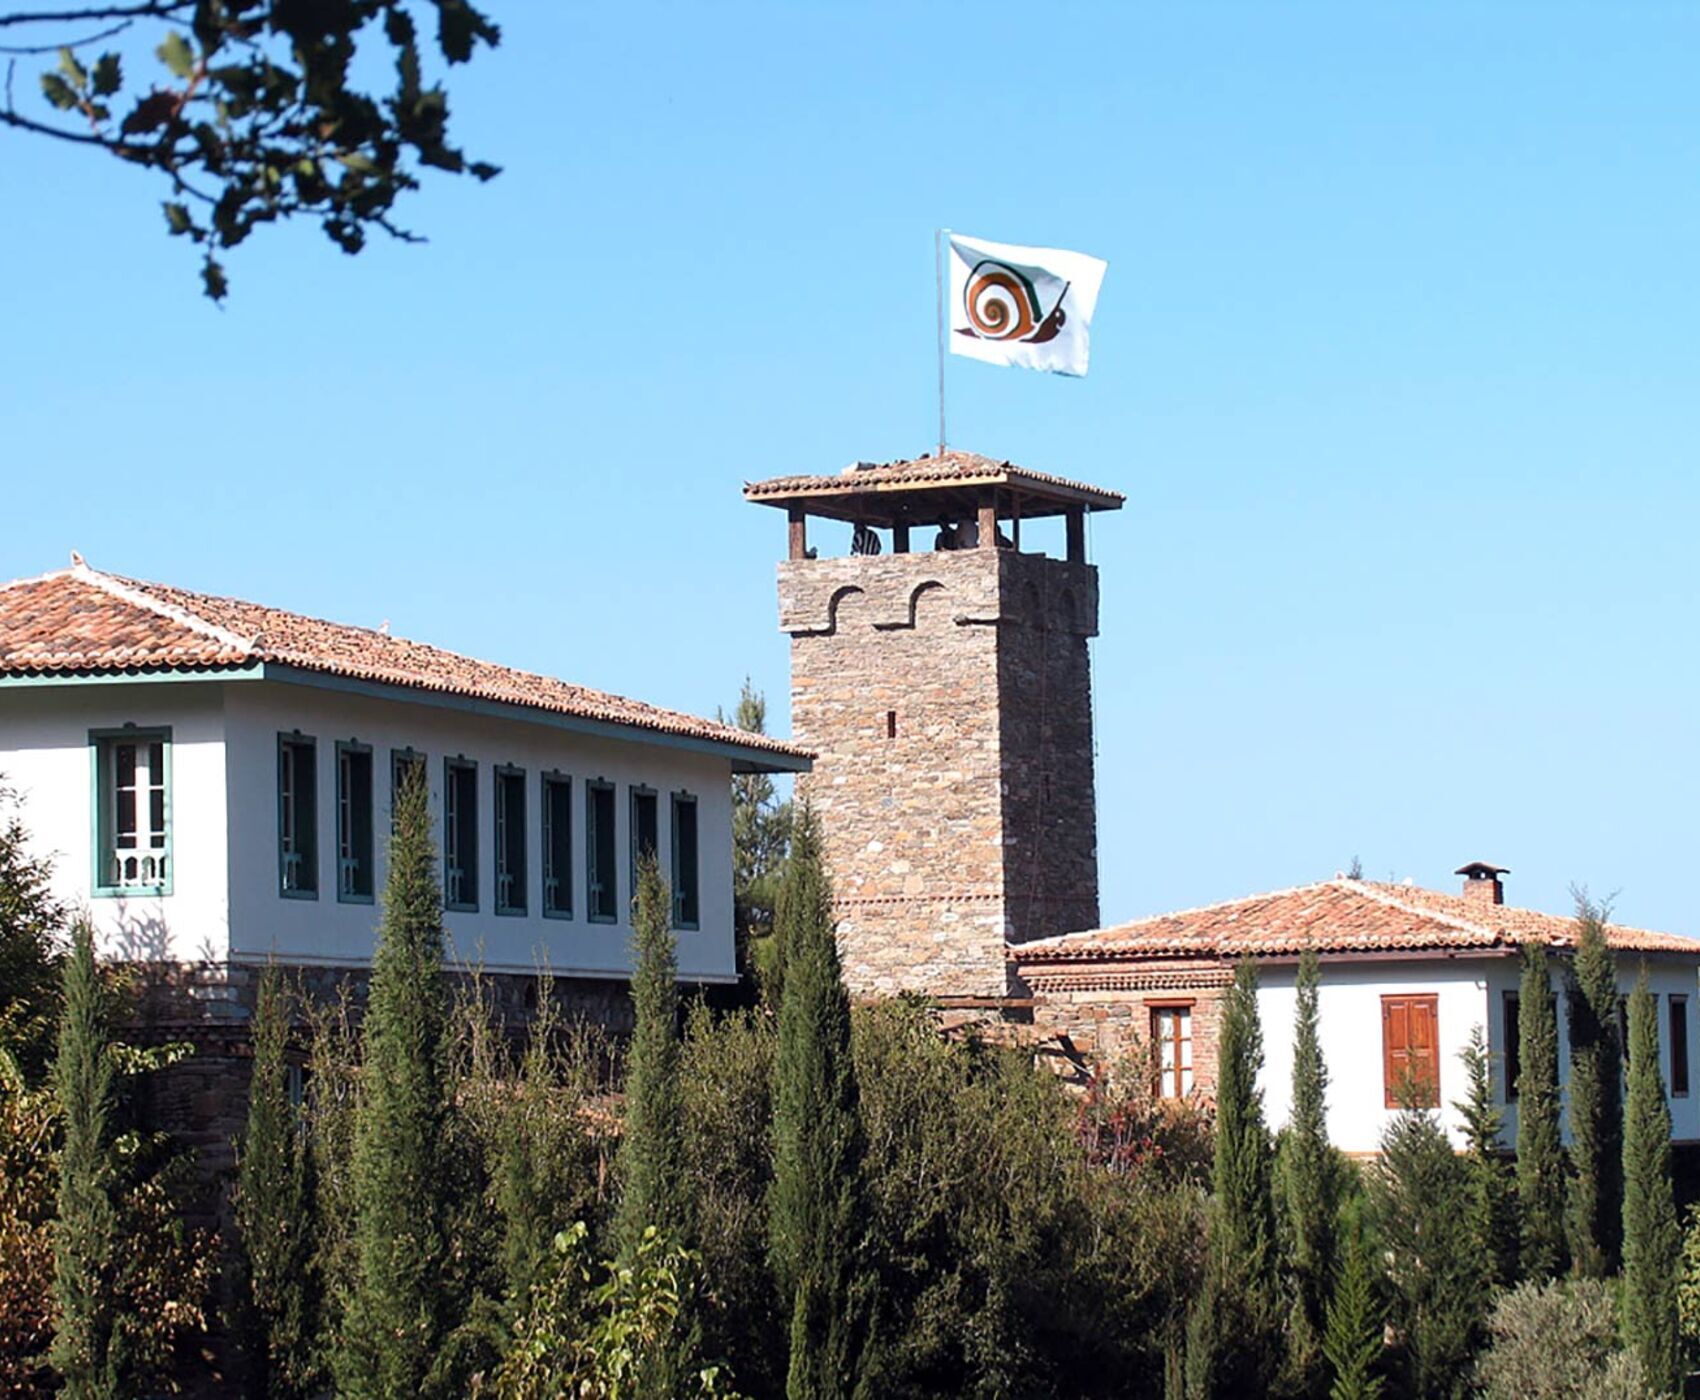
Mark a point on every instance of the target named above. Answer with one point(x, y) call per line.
point(1652, 1242)
point(392, 1317)
point(1492, 1190)
point(1307, 1181)
point(1353, 1340)
point(761, 834)
point(652, 1148)
point(32, 921)
point(816, 1201)
point(1540, 1151)
point(1596, 1107)
point(1439, 1295)
point(85, 1236)
point(274, 1206)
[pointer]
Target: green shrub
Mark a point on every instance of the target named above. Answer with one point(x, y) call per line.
point(1558, 1341)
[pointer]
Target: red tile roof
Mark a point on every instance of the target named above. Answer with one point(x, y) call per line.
point(1335, 916)
point(80, 621)
point(950, 468)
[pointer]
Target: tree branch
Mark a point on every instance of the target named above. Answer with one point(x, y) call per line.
point(11, 118)
point(147, 9)
point(118, 28)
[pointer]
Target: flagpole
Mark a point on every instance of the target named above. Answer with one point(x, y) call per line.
point(938, 286)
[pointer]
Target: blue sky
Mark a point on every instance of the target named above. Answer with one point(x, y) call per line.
point(1395, 361)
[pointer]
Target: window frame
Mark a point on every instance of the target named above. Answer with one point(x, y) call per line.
point(452, 766)
point(676, 854)
point(499, 774)
point(399, 757)
point(1677, 1016)
point(547, 781)
point(1511, 1014)
point(354, 748)
point(637, 793)
point(592, 850)
point(1181, 1010)
point(102, 820)
point(1389, 1081)
point(295, 739)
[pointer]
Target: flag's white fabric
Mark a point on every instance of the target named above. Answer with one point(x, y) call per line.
point(1030, 307)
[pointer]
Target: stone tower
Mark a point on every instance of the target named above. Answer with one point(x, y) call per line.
point(947, 695)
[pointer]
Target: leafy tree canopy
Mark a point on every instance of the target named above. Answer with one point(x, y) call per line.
point(252, 110)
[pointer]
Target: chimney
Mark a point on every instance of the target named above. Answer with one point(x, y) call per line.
point(1482, 882)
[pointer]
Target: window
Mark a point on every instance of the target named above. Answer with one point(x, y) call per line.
point(646, 831)
point(557, 846)
point(1513, 1046)
point(1410, 1050)
point(686, 893)
point(460, 834)
point(1679, 1047)
point(602, 896)
point(891, 724)
point(1171, 1038)
point(402, 763)
point(510, 841)
point(354, 872)
point(297, 816)
point(132, 811)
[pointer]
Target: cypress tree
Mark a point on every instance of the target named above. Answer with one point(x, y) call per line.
point(274, 1206)
point(1232, 1342)
point(653, 1194)
point(652, 1148)
point(1353, 1340)
point(85, 1236)
point(1307, 1184)
point(1540, 1151)
point(1652, 1241)
point(1244, 1223)
point(392, 1322)
point(1596, 1107)
point(816, 1200)
point(1492, 1207)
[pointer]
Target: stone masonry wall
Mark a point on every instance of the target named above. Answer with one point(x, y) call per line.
point(1045, 701)
point(1093, 1025)
point(939, 691)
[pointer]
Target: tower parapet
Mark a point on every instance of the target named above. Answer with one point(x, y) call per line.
point(947, 694)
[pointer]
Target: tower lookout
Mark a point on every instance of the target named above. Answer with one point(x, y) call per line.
point(940, 672)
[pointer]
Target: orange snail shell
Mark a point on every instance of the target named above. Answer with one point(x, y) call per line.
point(1000, 303)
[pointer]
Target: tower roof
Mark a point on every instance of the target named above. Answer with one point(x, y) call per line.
point(919, 491)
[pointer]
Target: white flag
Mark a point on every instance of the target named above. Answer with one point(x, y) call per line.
point(1030, 307)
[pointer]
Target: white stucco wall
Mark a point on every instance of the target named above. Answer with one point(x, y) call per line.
point(324, 931)
point(1666, 977)
point(1349, 1001)
point(44, 756)
point(1470, 991)
point(225, 900)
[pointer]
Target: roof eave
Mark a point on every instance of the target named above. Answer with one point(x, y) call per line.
point(744, 758)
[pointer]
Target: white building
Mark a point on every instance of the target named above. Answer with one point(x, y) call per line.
point(1406, 975)
point(213, 780)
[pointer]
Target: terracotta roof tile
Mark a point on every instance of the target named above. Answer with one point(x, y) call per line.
point(1340, 915)
point(80, 620)
point(950, 468)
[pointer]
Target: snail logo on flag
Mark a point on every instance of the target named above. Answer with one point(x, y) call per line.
point(1029, 307)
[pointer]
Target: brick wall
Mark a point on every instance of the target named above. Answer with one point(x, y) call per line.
point(948, 698)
